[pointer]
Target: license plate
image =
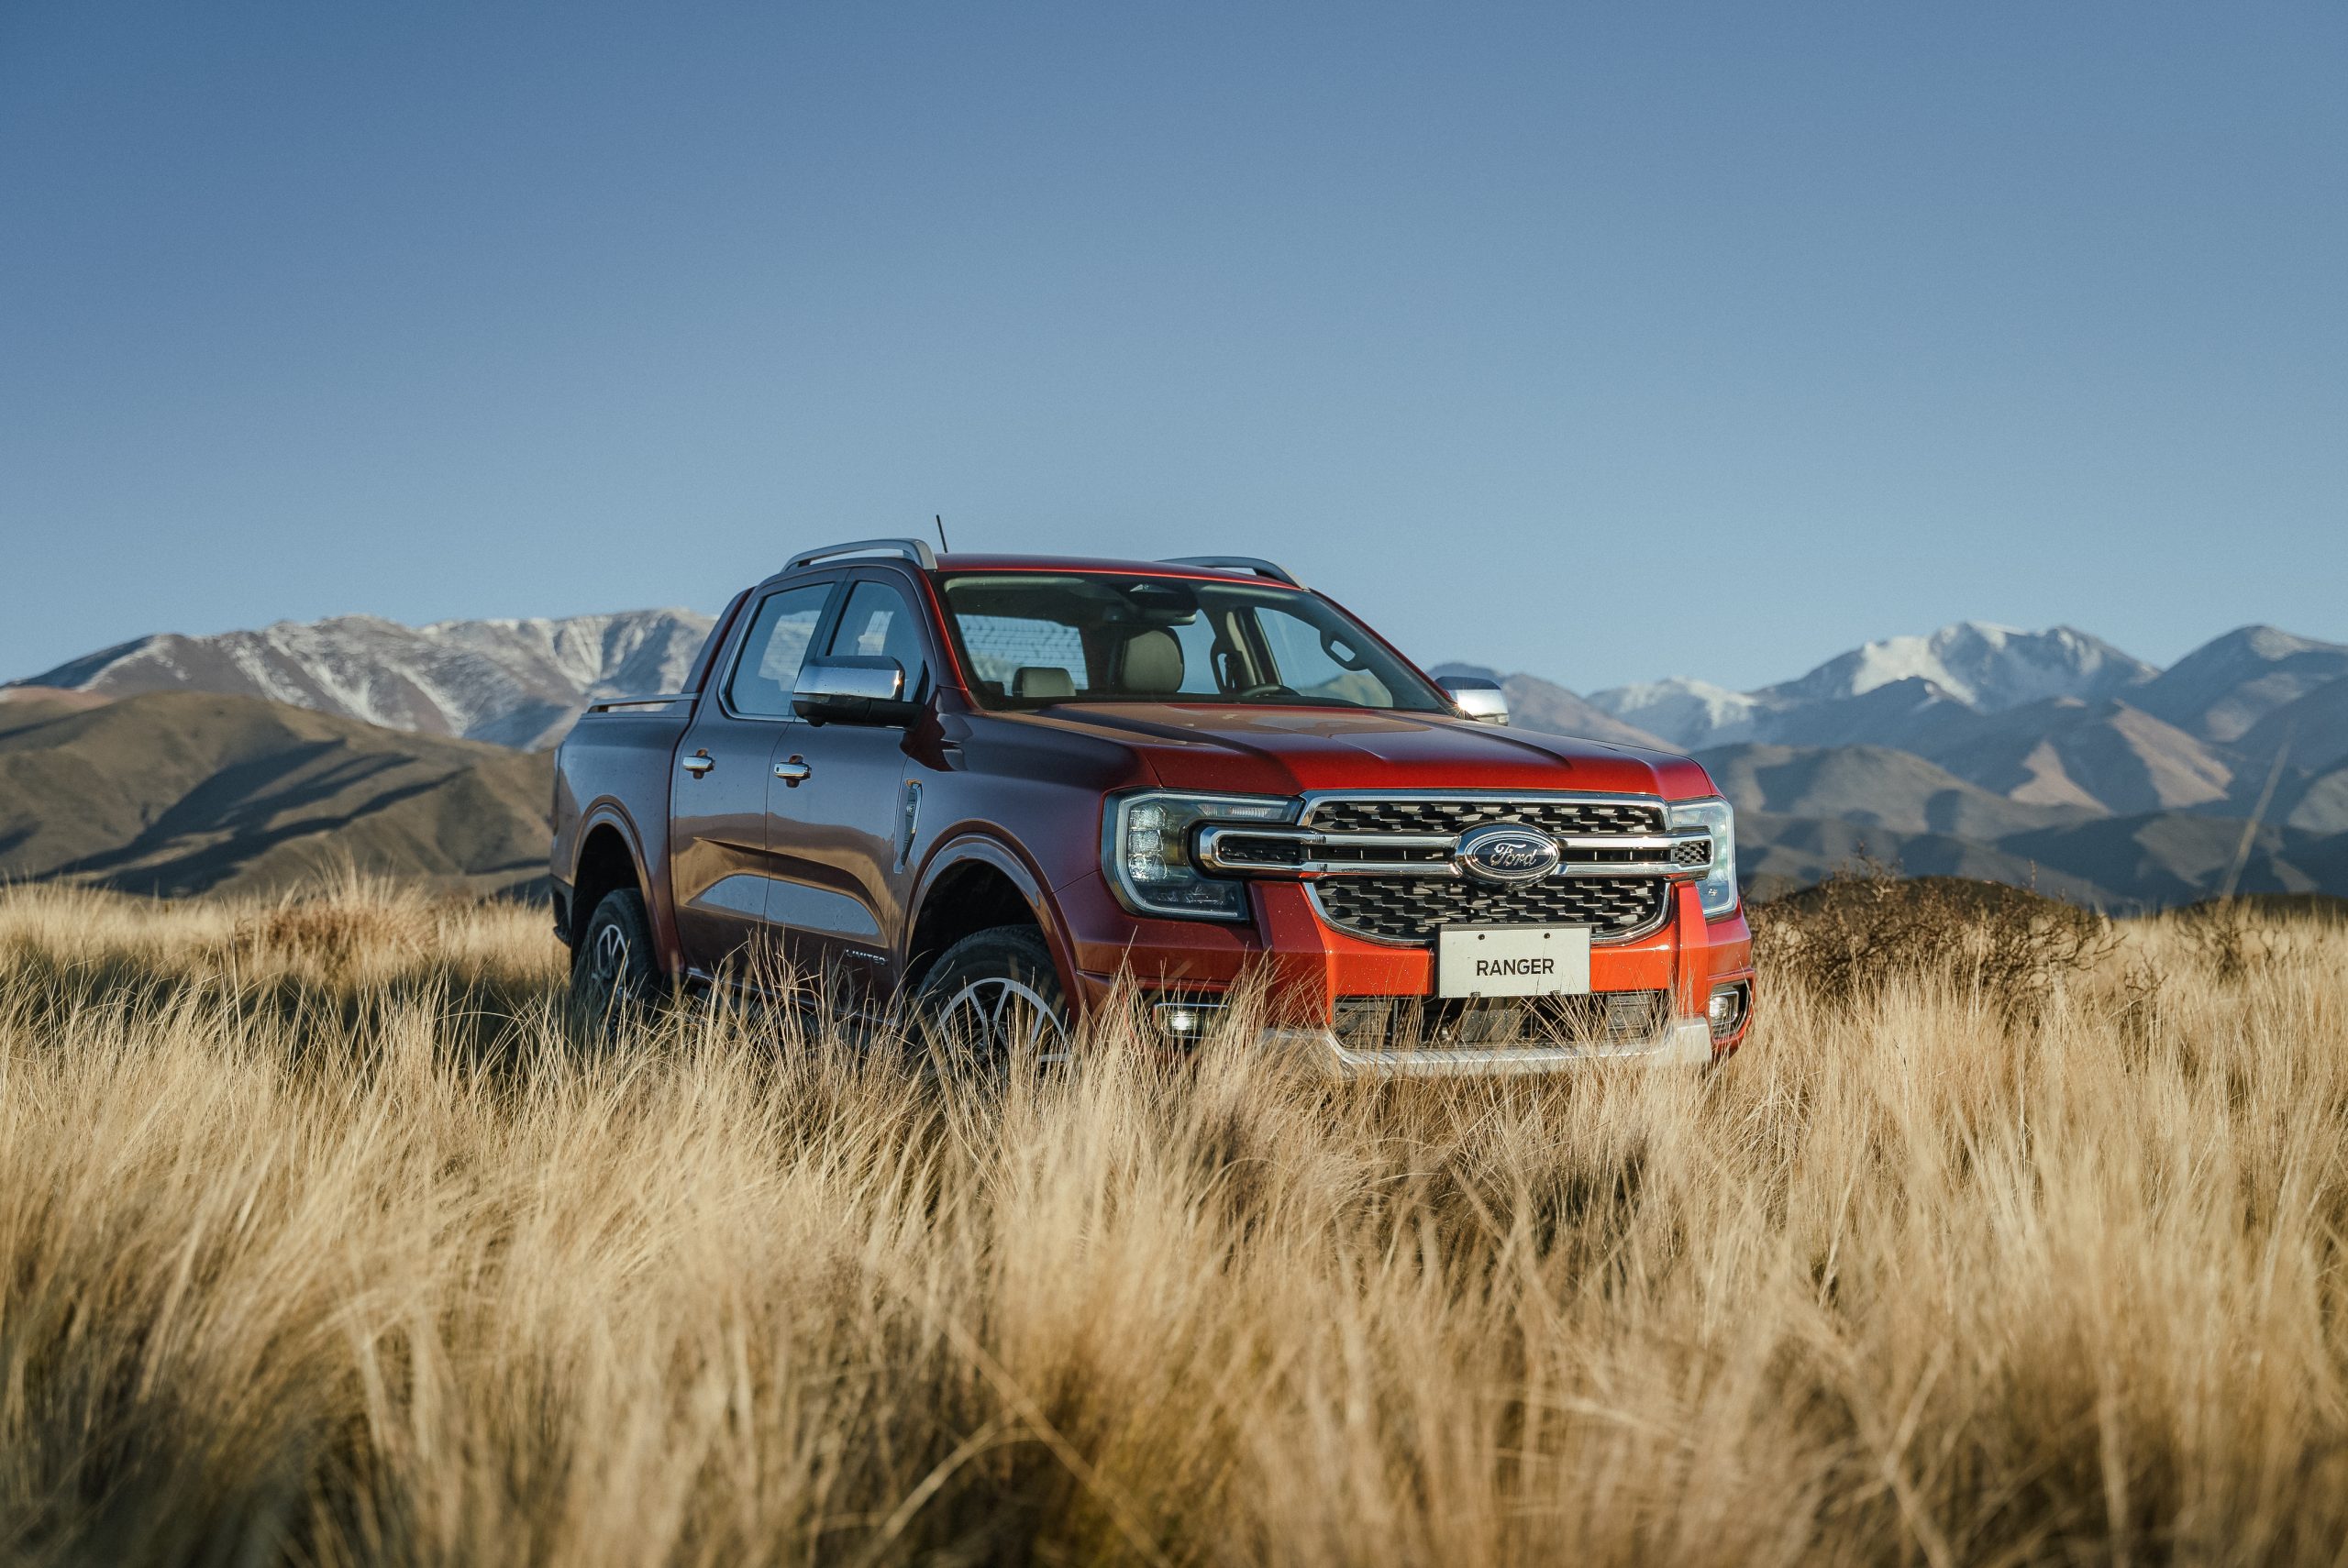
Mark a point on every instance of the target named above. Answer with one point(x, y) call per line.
point(1511, 960)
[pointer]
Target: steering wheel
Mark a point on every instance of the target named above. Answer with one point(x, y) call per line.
point(1267, 688)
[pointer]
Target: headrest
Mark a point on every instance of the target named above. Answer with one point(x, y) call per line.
point(1153, 663)
point(1042, 681)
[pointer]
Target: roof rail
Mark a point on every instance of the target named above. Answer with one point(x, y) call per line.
point(1255, 564)
point(662, 699)
point(915, 551)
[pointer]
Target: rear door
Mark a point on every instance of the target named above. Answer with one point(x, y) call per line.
point(719, 858)
point(845, 804)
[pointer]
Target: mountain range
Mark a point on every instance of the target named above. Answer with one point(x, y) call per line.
point(2048, 758)
point(517, 683)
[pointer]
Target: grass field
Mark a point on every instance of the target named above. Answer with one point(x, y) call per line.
point(322, 1241)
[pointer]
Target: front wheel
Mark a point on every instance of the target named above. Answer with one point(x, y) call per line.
point(997, 995)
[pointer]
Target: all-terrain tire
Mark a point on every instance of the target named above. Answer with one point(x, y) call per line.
point(612, 971)
point(997, 996)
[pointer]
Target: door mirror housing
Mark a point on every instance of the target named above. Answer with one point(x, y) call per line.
point(854, 690)
point(1476, 698)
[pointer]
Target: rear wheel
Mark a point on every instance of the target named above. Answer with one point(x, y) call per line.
point(613, 970)
point(997, 995)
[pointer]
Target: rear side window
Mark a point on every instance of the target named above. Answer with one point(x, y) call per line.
point(776, 647)
point(878, 624)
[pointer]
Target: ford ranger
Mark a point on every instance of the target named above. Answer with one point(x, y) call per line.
point(986, 790)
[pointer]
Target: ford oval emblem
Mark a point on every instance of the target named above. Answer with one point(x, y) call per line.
point(1506, 852)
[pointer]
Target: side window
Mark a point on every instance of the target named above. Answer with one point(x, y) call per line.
point(772, 653)
point(1315, 664)
point(878, 624)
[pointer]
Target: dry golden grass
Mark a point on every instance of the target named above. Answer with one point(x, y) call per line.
point(321, 1242)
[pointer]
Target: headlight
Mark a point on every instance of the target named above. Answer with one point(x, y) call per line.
point(1146, 851)
point(1718, 889)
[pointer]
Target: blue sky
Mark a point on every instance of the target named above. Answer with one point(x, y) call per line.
point(1607, 342)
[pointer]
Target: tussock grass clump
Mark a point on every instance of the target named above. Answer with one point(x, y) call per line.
point(291, 1271)
point(335, 937)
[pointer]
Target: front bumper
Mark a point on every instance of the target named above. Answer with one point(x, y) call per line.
point(1308, 967)
point(1686, 1042)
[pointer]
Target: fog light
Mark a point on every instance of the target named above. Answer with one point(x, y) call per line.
point(1727, 1011)
point(1183, 1021)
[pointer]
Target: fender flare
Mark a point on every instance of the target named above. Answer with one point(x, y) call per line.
point(973, 844)
point(610, 812)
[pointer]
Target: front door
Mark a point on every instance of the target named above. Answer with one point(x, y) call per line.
point(841, 809)
point(720, 863)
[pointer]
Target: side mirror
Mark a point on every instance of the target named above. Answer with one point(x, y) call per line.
point(1476, 698)
point(853, 692)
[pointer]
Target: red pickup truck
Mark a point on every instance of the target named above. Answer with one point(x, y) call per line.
point(985, 790)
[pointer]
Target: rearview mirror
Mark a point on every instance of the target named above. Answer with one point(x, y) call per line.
point(853, 691)
point(1476, 698)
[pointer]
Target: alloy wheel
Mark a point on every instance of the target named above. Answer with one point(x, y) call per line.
point(1005, 1020)
point(608, 961)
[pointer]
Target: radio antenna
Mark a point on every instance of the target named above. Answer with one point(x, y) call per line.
point(941, 534)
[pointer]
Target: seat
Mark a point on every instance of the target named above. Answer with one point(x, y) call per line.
point(1042, 681)
point(1153, 664)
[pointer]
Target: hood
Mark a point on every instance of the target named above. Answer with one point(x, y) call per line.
point(1285, 751)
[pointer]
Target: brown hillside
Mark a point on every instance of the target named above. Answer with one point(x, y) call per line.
point(191, 792)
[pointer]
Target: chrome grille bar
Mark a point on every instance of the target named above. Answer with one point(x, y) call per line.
point(1251, 851)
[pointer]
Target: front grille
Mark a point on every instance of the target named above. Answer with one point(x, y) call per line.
point(1556, 818)
point(1600, 1020)
point(1411, 909)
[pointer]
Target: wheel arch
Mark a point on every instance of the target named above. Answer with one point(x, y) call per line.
point(974, 883)
point(610, 857)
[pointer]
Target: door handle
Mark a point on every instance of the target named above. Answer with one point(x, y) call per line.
point(698, 764)
point(794, 773)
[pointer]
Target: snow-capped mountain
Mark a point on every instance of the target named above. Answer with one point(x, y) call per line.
point(1986, 666)
point(2057, 718)
point(515, 682)
point(1971, 664)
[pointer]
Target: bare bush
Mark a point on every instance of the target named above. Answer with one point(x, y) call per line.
point(2237, 937)
point(1844, 939)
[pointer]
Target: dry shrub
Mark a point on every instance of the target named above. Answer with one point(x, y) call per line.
point(1844, 939)
point(2236, 938)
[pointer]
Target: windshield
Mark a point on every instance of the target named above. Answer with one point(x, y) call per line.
point(1032, 638)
